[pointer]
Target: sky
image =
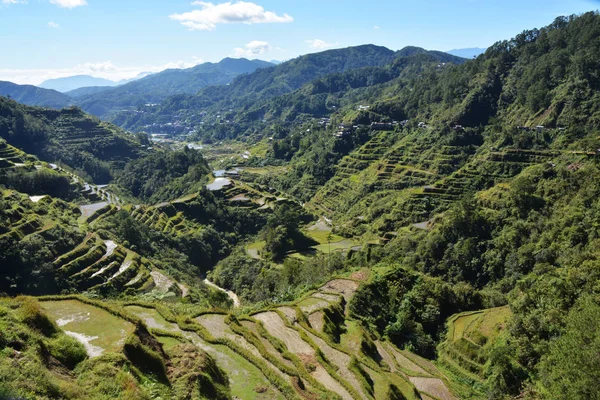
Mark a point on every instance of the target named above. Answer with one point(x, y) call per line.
point(119, 39)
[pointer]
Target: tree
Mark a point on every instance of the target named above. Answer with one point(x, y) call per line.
point(571, 370)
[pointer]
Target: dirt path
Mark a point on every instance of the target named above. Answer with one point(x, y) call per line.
point(232, 296)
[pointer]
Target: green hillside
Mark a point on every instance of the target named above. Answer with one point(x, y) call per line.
point(34, 96)
point(156, 87)
point(70, 137)
point(352, 224)
point(263, 84)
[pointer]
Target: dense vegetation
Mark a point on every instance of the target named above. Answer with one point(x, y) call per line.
point(462, 200)
point(165, 175)
point(516, 206)
point(34, 96)
point(157, 87)
point(95, 150)
point(263, 84)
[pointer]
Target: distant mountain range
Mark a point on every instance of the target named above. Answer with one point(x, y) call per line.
point(246, 80)
point(75, 82)
point(467, 53)
point(72, 83)
point(100, 96)
point(157, 87)
point(247, 91)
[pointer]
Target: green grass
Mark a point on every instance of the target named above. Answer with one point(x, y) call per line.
point(322, 236)
point(168, 342)
point(461, 324)
point(352, 337)
point(90, 321)
point(345, 244)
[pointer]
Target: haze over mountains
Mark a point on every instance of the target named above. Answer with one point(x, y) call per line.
point(100, 96)
point(467, 53)
point(75, 82)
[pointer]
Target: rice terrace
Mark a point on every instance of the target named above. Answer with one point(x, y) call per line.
point(239, 200)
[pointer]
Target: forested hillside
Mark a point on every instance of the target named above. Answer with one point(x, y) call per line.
point(95, 149)
point(34, 96)
point(157, 87)
point(267, 83)
point(351, 224)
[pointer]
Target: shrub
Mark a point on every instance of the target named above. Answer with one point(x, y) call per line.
point(67, 350)
point(32, 314)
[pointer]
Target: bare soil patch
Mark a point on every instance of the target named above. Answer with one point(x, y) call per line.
point(326, 380)
point(433, 386)
point(289, 313)
point(340, 360)
point(292, 340)
point(316, 321)
point(345, 287)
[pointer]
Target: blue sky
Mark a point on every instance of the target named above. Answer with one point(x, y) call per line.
point(118, 39)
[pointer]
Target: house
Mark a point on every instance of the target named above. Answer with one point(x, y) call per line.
point(539, 128)
point(422, 125)
point(382, 126)
point(344, 130)
point(324, 122)
point(458, 128)
point(363, 108)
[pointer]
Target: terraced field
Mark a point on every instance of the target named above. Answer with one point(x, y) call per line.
point(286, 352)
point(97, 329)
point(463, 353)
point(398, 179)
point(11, 157)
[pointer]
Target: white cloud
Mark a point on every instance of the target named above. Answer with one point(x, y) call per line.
point(252, 49)
point(376, 28)
point(320, 44)
point(14, 2)
point(53, 25)
point(105, 69)
point(210, 15)
point(69, 3)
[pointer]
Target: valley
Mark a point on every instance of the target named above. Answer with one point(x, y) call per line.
point(354, 223)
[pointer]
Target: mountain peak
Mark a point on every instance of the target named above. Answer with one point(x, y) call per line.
point(69, 83)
